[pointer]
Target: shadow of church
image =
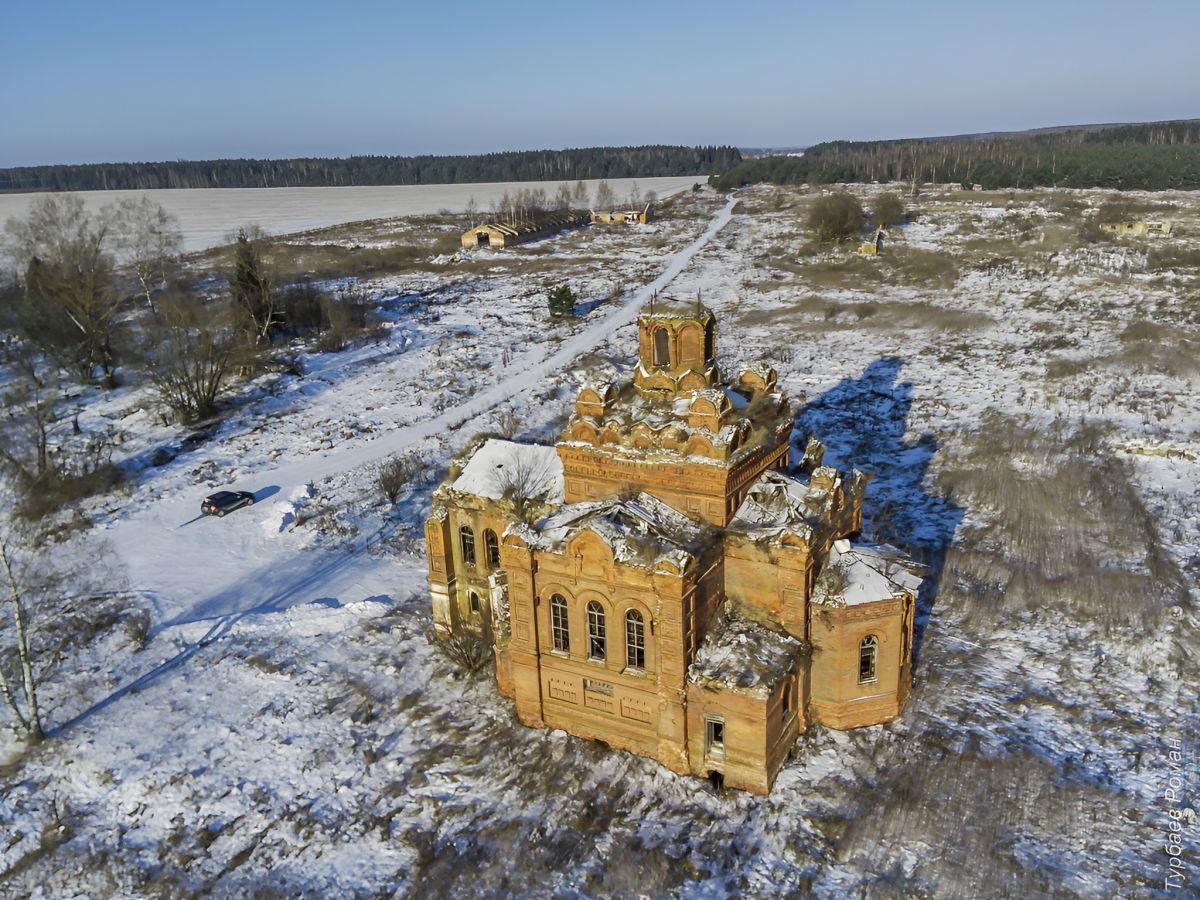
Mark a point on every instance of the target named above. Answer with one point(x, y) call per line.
point(863, 423)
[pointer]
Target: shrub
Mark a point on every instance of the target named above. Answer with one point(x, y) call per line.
point(888, 210)
point(835, 217)
point(395, 474)
point(1114, 211)
point(467, 650)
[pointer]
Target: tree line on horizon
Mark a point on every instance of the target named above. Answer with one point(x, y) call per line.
point(1158, 156)
point(647, 161)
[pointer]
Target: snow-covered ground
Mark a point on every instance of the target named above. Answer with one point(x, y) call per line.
point(283, 726)
point(208, 216)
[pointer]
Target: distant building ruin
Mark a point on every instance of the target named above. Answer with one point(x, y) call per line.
point(508, 234)
point(1137, 228)
point(621, 217)
point(664, 580)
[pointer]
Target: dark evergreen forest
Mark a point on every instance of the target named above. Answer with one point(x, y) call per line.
point(531, 165)
point(1126, 157)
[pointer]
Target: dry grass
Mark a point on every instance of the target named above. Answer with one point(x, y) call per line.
point(1010, 795)
point(1145, 347)
point(814, 312)
point(1061, 530)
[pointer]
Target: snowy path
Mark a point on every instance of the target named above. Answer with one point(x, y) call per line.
point(200, 569)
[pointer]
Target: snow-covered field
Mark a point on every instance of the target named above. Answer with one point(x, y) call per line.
point(208, 216)
point(260, 712)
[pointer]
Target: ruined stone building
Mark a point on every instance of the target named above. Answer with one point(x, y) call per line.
point(1137, 227)
point(509, 234)
point(664, 581)
point(621, 216)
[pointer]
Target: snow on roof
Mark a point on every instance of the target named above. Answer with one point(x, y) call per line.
point(531, 471)
point(641, 531)
point(742, 655)
point(777, 502)
point(865, 573)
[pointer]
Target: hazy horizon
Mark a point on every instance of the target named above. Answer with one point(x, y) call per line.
point(150, 83)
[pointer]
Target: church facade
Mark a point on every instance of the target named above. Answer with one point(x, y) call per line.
point(664, 580)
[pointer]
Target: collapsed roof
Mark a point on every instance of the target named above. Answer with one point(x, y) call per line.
point(742, 655)
point(641, 531)
point(864, 573)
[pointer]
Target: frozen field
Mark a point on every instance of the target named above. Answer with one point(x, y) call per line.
point(253, 707)
point(207, 216)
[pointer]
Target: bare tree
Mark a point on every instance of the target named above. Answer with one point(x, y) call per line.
point(70, 298)
point(396, 474)
point(579, 196)
point(605, 198)
point(562, 198)
point(635, 196)
point(502, 209)
point(523, 480)
point(149, 241)
point(472, 211)
point(49, 601)
point(32, 414)
point(189, 351)
point(20, 577)
point(467, 650)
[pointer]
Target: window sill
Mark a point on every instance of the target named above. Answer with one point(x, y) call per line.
point(636, 671)
point(562, 654)
point(595, 661)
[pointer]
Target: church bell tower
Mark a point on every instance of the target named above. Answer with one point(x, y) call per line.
point(677, 348)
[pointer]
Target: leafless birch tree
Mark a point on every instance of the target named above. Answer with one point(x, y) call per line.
point(15, 562)
point(605, 198)
point(579, 197)
point(149, 241)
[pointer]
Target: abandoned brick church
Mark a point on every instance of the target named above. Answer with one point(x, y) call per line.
point(665, 580)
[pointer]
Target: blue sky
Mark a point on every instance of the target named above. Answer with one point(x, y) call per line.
point(89, 82)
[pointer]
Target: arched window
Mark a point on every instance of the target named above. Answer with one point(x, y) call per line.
point(493, 549)
point(597, 644)
point(662, 347)
point(787, 698)
point(559, 632)
point(476, 606)
point(868, 652)
point(635, 640)
point(710, 340)
point(466, 540)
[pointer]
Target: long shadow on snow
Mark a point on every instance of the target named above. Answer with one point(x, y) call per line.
point(305, 574)
point(862, 422)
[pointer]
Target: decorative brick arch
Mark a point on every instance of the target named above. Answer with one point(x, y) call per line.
point(691, 346)
point(699, 446)
point(661, 340)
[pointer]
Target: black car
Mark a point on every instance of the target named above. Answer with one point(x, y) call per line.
point(225, 501)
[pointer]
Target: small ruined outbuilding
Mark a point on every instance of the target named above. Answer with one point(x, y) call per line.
point(621, 217)
point(1137, 228)
point(873, 246)
point(664, 580)
point(508, 234)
